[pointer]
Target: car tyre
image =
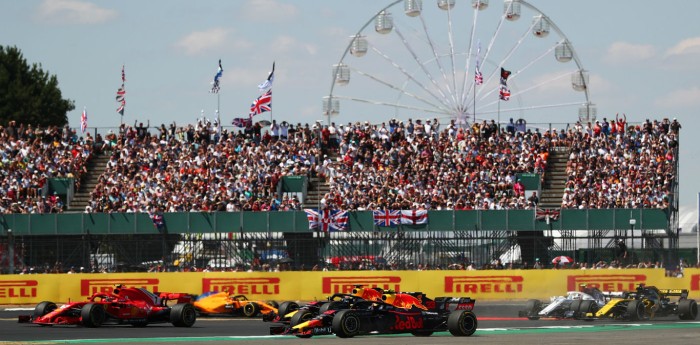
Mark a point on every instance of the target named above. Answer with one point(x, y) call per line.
point(587, 306)
point(462, 323)
point(92, 315)
point(299, 318)
point(687, 309)
point(273, 304)
point(251, 309)
point(286, 308)
point(533, 307)
point(346, 324)
point(183, 315)
point(44, 308)
point(635, 310)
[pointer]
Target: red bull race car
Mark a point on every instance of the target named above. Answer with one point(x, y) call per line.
point(290, 313)
point(224, 303)
point(125, 305)
point(395, 313)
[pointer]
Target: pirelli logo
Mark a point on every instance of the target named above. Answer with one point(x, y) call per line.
point(18, 288)
point(611, 282)
point(332, 285)
point(694, 282)
point(483, 284)
point(88, 287)
point(243, 286)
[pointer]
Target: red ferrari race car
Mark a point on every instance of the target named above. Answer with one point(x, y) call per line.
point(396, 313)
point(290, 313)
point(125, 305)
point(224, 303)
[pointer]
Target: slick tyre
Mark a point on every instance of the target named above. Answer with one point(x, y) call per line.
point(92, 315)
point(44, 308)
point(587, 306)
point(687, 309)
point(183, 315)
point(462, 323)
point(251, 309)
point(533, 307)
point(286, 308)
point(299, 318)
point(273, 304)
point(635, 310)
point(346, 324)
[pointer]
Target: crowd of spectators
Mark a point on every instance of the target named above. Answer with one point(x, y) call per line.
point(416, 165)
point(198, 168)
point(614, 166)
point(29, 157)
point(419, 164)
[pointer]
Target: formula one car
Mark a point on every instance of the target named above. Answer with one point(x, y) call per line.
point(648, 302)
point(396, 313)
point(135, 306)
point(574, 305)
point(290, 313)
point(224, 303)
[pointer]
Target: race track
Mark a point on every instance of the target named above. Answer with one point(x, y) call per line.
point(498, 324)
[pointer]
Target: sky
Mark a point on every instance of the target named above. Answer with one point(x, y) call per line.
point(640, 57)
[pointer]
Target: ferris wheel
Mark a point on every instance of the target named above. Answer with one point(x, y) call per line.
point(411, 59)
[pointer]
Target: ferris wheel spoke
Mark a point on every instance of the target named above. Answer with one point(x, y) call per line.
point(434, 51)
point(401, 90)
point(422, 66)
point(450, 39)
point(435, 110)
point(467, 65)
point(410, 77)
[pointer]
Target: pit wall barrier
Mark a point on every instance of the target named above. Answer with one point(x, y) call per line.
point(304, 286)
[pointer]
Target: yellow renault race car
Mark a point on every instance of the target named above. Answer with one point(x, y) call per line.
point(216, 302)
point(648, 302)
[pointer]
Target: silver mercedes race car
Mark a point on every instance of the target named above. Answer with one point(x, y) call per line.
point(575, 305)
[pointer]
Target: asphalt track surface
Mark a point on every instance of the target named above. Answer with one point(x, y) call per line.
point(498, 324)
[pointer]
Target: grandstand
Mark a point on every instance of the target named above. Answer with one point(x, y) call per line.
point(511, 194)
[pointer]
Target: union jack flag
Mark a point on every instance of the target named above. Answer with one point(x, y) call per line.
point(120, 110)
point(262, 104)
point(414, 217)
point(546, 214)
point(83, 120)
point(504, 93)
point(327, 220)
point(387, 218)
point(242, 122)
point(478, 77)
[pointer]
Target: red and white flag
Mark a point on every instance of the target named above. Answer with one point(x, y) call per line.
point(414, 217)
point(83, 120)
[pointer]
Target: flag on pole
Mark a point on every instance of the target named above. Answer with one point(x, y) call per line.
point(123, 75)
point(478, 77)
point(215, 84)
point(503, 90)
point(327, 220)
point(121, 93)
point(414, 217)
point(386, 218)
point(83, 120)
point(268, 82)
point(242, 122)
point(261, 104)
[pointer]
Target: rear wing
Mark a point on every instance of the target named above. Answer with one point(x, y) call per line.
point(683, 293)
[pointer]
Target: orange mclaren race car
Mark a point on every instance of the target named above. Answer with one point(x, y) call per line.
point(216, 302)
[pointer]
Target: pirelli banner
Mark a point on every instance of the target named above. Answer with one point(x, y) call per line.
point(304, 286)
